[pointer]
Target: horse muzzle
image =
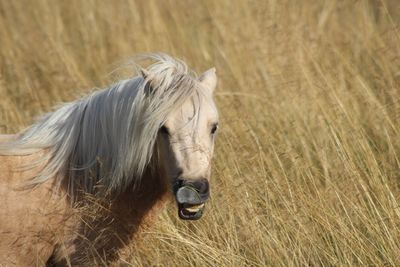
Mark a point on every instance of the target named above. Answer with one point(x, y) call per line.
point(191, 196)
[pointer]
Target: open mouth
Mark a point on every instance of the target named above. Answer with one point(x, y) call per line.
point(190, 211)
point(191, 197)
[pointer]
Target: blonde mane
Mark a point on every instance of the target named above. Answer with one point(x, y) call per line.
point(106, 139)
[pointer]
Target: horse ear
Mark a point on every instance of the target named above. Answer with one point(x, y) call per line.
point(209, 79)
point(148, 89)
point(144, 73)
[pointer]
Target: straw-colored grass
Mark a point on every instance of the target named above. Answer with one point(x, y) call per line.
point(306, 170)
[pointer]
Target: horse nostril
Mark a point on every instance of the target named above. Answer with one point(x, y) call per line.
point(202, 186)
point(178, 183)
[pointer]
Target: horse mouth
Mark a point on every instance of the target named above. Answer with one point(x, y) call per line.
point(191, 197)
point(190, 211)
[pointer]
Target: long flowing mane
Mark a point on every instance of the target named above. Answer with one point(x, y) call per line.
point(107, 138)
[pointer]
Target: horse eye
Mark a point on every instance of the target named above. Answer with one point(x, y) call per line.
point(214, 128)
point(164, 130)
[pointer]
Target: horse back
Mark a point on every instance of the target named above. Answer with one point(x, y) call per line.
point(7, 137)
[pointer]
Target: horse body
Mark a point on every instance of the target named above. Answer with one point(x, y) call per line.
point(29, 219)
point(78, 185)
point(39, 225)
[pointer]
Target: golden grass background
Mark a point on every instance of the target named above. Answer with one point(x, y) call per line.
point(306, 170)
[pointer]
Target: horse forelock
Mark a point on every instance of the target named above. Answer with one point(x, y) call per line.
point(105, 141)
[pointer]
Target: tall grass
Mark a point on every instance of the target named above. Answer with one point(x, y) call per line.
point(306, 170)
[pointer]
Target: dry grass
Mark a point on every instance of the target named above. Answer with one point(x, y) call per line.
point(307, 164)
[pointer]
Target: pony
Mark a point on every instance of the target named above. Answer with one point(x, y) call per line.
point(78, 184)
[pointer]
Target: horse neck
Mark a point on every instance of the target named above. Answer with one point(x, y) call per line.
point(152, 189)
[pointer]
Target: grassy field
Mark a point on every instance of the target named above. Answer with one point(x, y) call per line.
point(307, 167)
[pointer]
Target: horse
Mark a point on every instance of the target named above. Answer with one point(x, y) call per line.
point(78, 184)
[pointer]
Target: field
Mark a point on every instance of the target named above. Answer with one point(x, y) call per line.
point(307, 164)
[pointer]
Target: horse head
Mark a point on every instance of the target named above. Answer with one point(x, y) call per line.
point(186, 142)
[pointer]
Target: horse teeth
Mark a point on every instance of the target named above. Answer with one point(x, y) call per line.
point(195, 208)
